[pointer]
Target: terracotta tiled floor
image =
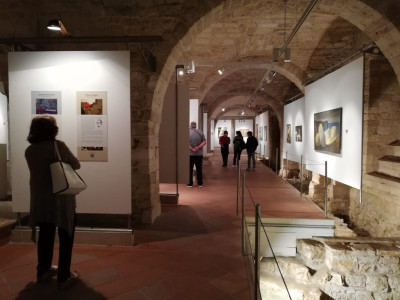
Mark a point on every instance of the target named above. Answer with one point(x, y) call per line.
point(192, 251)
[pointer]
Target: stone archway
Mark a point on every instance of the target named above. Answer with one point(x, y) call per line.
point(366, 18)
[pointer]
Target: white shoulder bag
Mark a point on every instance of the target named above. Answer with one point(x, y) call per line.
point(66, 180)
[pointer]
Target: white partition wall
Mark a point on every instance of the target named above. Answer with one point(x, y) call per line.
point(340, 89)
point(263, 138)
point(212, 133)
point(194, 111)
point(3, 120)
point(293, 117)
point(3, 146)
point(66, 73)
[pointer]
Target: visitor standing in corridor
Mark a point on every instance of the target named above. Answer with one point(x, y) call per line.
point(197, 140)
point(251, 147)
point(224, 142)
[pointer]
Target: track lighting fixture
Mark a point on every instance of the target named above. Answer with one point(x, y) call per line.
point(180, 70)
point(288, 54)
point(221, 70)
point(57, 25)
point(223, 109)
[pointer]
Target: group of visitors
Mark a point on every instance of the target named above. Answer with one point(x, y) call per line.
point(197, 141)
point(239, 145)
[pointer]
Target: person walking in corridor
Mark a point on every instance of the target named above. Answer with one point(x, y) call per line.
point(238, 146)
point(224, 142)
point(197, 141)
point(251, 146)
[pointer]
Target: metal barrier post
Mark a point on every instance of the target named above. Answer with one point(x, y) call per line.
point(243, 217)
point(257, 253)
point(276, 161)
point(301, 175)
point(238, 190)
point(326, 189)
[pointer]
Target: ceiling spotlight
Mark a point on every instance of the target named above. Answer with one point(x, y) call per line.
point(57, 25)
point(221, 70)
point(223, 109)
point(273, 73)
point(288, 53)
point(190, 67)
point(242, 112)
point(181, 72)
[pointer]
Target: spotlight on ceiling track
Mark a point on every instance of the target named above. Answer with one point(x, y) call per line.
point(223, 109)
point(288, 54)
point(242, 113)
point(181, 72)
point(190, 67)
point(57, 25)
point(221, 70)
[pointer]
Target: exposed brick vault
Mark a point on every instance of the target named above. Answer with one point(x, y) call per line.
point(240, 35)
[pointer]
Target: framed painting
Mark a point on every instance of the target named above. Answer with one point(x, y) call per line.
point(265, 133)
point(289, 133)
point(299, 133)
point(328, 130)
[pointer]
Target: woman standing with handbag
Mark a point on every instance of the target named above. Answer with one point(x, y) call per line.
point(48, 210)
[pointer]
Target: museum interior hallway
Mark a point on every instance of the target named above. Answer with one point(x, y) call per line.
point(192, 251)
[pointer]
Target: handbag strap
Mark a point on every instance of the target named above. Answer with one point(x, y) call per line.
point(57, 152)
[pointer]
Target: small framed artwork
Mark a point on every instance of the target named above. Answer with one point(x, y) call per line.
point(299, 133)
point(289, 133)
point(260, 133)
point(265, 133)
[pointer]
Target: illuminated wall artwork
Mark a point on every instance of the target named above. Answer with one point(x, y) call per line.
point(92, 127)
point(327, 131)
point(265, 133)
point(299, 133)
point(289, 133)
point(221, 131)
point(260, 133)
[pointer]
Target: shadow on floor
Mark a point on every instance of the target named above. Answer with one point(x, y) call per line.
point(48, 290)
point(175, 221)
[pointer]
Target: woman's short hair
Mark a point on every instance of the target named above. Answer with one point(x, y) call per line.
point(43, 128)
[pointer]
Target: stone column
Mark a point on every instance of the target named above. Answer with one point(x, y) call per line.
point(146, 205)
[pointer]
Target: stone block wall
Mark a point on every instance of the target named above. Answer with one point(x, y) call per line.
point(379, 210)
point(353, 268)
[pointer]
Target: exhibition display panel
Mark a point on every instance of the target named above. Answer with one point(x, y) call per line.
point(88, 92)
point(326, 126)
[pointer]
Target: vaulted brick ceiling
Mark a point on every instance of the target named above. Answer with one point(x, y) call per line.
point(249, 35)
point(242, 40)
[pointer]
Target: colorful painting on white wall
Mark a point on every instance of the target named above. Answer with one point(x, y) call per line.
point(327, 131)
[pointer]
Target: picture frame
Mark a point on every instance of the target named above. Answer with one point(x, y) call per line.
point(299, 133)
point(289, 133)
point(328, 131)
